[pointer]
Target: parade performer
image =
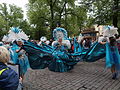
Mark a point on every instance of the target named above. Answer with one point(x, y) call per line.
point(106, 47)
point(77, 46)
point(112, 57)
point(56, 58)
point(62, 44)
point(60, 35)
point(22, 59)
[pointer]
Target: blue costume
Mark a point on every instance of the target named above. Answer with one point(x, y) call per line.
point(23, 62)
point(112, 56)
point(77, 47)
point(57, 58)
point(19, 58)
point(9, 79)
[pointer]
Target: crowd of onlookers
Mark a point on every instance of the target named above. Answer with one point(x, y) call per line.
point(86, 43)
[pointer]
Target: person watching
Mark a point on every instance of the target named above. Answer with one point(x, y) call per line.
point(9, 79)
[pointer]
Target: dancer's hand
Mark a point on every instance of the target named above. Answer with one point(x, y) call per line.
point(17, 51)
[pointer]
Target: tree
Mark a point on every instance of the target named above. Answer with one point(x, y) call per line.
point(115, 13)
point(53, 11)
point(25, 26)
point(15, 15)
point(4, 14)
point(105, 12)
point(37, 15)
point(10, 16)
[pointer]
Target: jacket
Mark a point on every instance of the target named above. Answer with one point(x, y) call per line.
point(9, 79)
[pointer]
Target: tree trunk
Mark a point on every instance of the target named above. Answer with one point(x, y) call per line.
point(115, 13)
point(52, 17)
point(52, 14)
point(66, 14)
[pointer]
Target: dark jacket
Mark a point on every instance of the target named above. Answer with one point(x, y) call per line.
point(9, 79)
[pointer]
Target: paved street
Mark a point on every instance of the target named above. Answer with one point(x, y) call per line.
point(84, 76)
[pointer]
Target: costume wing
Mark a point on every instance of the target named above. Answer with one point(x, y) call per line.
point(44, 56)
point(60, 61)
point(96, 52)
point(39, 57)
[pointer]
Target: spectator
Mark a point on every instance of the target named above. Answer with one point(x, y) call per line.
point(118, 42)
point(9, 79)
point(50, 42)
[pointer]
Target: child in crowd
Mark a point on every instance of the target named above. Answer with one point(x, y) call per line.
point(9, 79)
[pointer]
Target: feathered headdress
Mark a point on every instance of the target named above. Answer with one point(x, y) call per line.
point(60, 33)
point(14, 34)
point(109, 31)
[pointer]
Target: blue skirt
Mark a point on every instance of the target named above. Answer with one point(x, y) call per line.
point(24, 64)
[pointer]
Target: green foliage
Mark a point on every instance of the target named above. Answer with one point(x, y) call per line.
point(44, 14)
point(15, 16)
point(37, 15)
point(99, 11)
point(65, 12)
point(12, 16)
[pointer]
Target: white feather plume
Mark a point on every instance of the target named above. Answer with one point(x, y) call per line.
point(12, 36)
point(109, 32)
point(64, 42)
point(5, 38)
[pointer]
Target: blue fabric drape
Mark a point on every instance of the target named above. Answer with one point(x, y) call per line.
point(44, 56)
point(112, 56)
point(59, 60)
point(96, 52)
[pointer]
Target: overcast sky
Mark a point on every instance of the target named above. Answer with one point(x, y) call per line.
point(20, 3)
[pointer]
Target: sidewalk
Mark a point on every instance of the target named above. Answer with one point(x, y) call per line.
point(84, 76)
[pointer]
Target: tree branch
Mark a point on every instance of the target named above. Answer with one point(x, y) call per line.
point(63, 7)
point(44, 18)
point(54, 2)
